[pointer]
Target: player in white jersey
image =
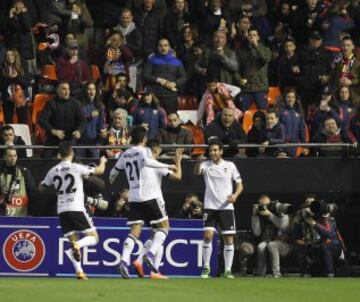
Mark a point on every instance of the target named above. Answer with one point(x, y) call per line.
point(67, 178)
point(153, 180)
point(219, 176)
point(142, 198)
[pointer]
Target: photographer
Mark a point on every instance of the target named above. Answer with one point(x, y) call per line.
point(270, 224)
point(17, 186)
point(192, 208)
point(317, 240)
point(120, 207)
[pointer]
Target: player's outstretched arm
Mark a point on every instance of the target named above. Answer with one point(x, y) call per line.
point(197, 167)
point(177, 175)
point(100, 169)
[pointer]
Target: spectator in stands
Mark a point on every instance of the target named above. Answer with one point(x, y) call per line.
point(73, 69)
point(292, 117)
point(220, 62)
point(256, 133)
point(164, 74)
point(213, 18)
point(253, 67)
point(177, 18)
point(121, 98)
point(149, 21)
point(272, 228)
point(132, 35)
point(347, 70)
point(8, 138)
point(318, 112)
point(150, 114)
point(239, 32)
point(228, 131)
point(54, 11)
point(80, 21)
point(95, 129)
point(117, 59)
point(314, 67)
point(20, 34)
point(17, 186)
point(14, 82)
point(217, 97)
point(192, 207)
point(346, 107)
point(174, 133)
point(274, 134)
point(333, 134)
point(118, 133)
point(62, 119)
point(289, 71)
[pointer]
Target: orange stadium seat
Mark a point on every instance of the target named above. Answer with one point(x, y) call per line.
point(2, 120)
point(198, 137)
point(95, 73)
point(49, 72)
point(40, 100)
point(247, 120)
point(273, 94)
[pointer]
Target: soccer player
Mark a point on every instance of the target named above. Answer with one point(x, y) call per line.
point(153, 179)
point(67, 178)
point(143, 199)
point(219, 200)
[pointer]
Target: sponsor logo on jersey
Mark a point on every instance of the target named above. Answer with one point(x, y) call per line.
point(24, 250)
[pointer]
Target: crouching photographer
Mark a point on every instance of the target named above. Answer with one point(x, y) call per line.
point(270, 224)
point(192, 207)
point(317, 240)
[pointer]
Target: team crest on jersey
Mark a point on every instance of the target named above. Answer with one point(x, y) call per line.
point(24, 250)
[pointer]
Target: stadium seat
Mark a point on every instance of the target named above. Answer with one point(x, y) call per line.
point(300, 150)
point(40, 100)
point(247, 120)
point(187, 102)
point(95, 73)
point(273, 94)
point(188, 116)
point(198, 138)
point(49, 72)
point(2, 120)
point(23, 130)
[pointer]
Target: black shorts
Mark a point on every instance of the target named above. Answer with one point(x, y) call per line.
point(223, 219)
point(151, 212)
point(74, 221)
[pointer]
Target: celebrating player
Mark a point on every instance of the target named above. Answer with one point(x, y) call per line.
point(153, 179)
point(67, 178)
point(219, 176)
point(143, 199)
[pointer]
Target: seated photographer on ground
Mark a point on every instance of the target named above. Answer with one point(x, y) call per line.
point(270, 224)
point(192, 208)
point(317, 240)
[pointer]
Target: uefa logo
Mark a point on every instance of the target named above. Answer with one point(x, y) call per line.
point(24, 250)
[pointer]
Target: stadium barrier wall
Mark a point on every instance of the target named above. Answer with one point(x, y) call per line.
point(35, 247)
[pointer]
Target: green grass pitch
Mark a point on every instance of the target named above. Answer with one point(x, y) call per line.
point(185, 290)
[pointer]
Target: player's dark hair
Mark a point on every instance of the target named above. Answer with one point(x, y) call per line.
point(215, 142)
point(65, 149)
point(138, 134)
point(9, 148)
point(153, 143)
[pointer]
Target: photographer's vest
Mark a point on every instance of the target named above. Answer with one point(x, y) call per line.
point(18, 205)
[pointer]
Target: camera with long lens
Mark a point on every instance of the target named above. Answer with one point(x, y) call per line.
point(14, 185)
point(97, 201)
point(276, 207)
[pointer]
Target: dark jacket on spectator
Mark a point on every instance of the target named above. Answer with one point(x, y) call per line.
point(62, 115)
point(274, 136)
point(253, 66)
point(355, 126)
point(93, 124)
point(151, 26)
point(164, 66)
point(286, 77)
point(340, 137)
point(173, 26)
point(234, 134)
point(178, 135)
point(20, 35)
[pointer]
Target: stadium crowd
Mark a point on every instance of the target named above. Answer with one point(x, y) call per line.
point(294, 61)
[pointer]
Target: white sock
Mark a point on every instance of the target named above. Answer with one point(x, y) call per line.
point(158, 256)
point(159, 238)
point(87, 241)
point(228, 256)
point(76, 264)
point(207, 251)
point(144, 250)
point(128, 247)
